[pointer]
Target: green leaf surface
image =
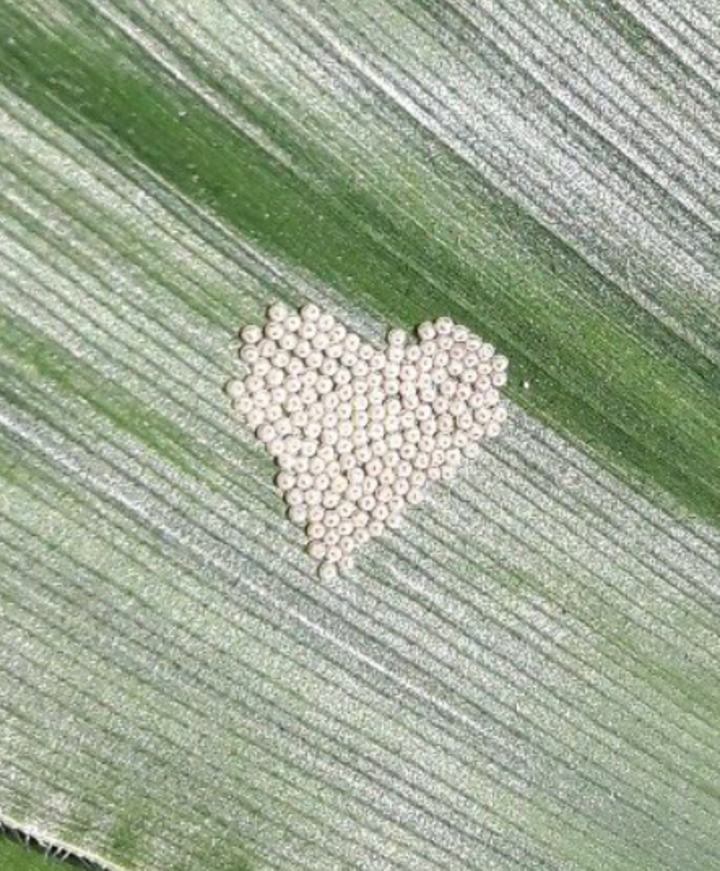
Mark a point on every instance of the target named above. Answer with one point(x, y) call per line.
point(525, 674)
point(19, 853)
point(17, 857)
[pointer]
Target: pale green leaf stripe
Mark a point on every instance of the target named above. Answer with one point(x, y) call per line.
point(525, 674)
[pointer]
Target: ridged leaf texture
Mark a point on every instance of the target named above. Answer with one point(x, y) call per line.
point(525, 674)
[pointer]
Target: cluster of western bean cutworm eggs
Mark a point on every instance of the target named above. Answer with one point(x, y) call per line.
point(358, 432)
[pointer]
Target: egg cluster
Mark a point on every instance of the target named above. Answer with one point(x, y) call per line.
point(357, 433)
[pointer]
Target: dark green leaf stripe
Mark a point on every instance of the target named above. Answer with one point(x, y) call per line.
point(609, 375)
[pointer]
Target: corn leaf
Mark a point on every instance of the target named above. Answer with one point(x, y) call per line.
point(525, 674)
